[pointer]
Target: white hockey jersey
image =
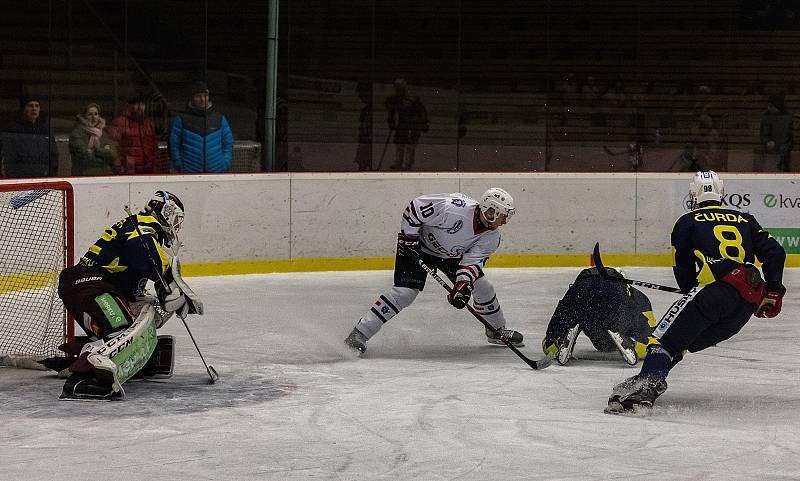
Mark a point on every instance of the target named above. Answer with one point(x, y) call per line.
point(448, 227)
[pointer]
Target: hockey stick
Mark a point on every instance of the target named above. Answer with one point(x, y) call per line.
point(540, 364)
point(602, 270)
point(385, 146)
point(212, 373)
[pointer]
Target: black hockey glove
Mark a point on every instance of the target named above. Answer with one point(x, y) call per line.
point(459, 296)
point(407, 246)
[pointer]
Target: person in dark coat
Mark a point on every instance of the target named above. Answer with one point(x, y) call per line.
point(27, 146)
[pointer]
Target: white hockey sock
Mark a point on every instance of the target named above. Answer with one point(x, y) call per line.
point(486, 304)
point(386, 307)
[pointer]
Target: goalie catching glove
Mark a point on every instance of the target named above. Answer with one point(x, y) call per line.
point(177, 296)
point(459, 296)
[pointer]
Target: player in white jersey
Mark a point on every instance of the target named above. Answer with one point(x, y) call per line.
point(456, 235)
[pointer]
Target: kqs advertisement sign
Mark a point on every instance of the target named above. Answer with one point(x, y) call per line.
point(775, 202)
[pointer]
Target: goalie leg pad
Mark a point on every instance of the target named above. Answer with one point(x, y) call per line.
point(161, 362)
point(85, 387)
point(122, 356)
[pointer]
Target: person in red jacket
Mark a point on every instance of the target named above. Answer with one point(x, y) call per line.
point(135, 136)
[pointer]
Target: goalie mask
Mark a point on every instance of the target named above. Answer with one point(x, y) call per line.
point(706, 186)
point(496, 206)
point(168, 210)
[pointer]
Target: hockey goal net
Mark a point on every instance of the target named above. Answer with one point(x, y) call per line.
point(36, 243)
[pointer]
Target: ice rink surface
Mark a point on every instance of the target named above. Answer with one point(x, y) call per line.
point(431, 400)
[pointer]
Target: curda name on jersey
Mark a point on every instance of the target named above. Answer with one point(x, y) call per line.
point(719, 217)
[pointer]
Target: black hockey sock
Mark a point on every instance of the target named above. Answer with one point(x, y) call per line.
point(658, 361)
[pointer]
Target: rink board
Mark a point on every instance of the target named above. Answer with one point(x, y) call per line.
point(250, 223)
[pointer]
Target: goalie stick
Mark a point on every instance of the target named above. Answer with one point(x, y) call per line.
point(212, 373)
point(602, 270)
point(540, 364)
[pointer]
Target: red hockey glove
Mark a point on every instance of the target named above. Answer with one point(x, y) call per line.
point(459, 297)
point(407, 246)
point(773, 301)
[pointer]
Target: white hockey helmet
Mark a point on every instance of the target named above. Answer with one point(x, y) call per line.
point(167, 208)
point(705, 186)
point(499, 200)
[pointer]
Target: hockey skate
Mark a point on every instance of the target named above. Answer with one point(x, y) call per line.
point(356, 341)
point(86, 387)
point(58, 364)
point(566, 345)
point(626, 347)
point(635, 393)
point(514, 337)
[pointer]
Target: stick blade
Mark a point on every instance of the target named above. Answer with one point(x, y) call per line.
point(542, 363)
point(212, 375)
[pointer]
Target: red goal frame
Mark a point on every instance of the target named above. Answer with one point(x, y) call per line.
point(69, 230)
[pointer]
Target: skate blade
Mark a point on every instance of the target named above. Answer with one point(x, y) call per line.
point(355, 352)
point(90, 398)
point(498, 342)
point(616, 408)
point(564, 356)
point(628, 355)
point(565, 353)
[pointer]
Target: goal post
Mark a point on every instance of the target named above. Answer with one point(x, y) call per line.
point(36, 244)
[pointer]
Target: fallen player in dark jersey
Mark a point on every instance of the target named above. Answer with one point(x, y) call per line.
point(614, 316)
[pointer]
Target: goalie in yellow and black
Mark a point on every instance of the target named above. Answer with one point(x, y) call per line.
point(105, 293)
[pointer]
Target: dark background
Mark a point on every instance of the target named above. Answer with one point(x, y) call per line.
point(613, 85)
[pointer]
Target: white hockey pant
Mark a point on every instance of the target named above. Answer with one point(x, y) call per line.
point(385, 307)
point(484, 299)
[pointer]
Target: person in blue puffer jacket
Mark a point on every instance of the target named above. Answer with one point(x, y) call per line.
point(200, 139)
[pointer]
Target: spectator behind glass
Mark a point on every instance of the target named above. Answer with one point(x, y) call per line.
point(157, 110)
point(706, 149)
point(134, 134)
point(27, 147)
point(200, 139)
point(776, 137)
point(91, 149)
point(364, 149)
point(408, 119)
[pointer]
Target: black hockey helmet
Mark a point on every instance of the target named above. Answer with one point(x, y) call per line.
point(592, 272)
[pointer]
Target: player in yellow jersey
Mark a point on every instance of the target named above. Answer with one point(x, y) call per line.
point(105, 293)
